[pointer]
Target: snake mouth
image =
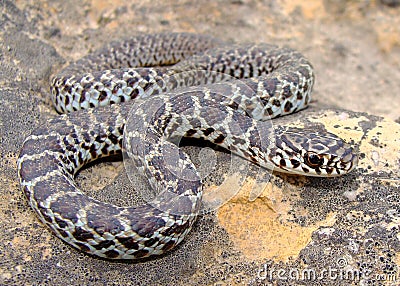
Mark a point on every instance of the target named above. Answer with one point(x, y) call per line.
point(331, 165)
point(328, 164)
point(349, 162)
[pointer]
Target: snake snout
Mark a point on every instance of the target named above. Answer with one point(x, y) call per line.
point(349, 159)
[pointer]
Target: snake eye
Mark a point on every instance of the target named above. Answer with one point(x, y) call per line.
point(312, 159)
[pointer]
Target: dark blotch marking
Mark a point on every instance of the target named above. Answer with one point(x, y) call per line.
point(113, 139)
point(104, 244)
point(68, 89)
point(102, 220)
point(253, 159)
point(103, 95)
point(234, 105)
point(287, 92)
point(43, 211)
point(134, 93)
point(190, 133)
point(111, 253)
point(319, 147)
point(141, 253)
point(219, 139)
point(117, 87)
point(295, 163)
point(93, 150)
point(251, 70)
point(66, 100)
point(241, 72)
point(63, 233)
point(83, 247)
point(276, 102)
point(271, 85)
point(169, 245)
point(128, 242)
point(299, 95)
point(147, 227)
point(61, 223)
point(151, 242)
point(208, 131)
point(81, 234)
point(329, 170)
point(288, 106)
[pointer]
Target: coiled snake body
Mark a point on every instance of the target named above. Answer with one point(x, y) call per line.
point(222, 93)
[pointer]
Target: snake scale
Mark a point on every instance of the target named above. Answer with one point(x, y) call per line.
point(170, 86)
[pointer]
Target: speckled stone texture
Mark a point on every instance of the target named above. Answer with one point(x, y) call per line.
point(277, 229)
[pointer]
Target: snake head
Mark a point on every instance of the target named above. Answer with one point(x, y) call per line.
point(312, 153)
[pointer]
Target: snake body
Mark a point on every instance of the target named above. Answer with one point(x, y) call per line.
point(173, 85)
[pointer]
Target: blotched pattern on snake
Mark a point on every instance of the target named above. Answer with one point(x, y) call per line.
point(169, 85)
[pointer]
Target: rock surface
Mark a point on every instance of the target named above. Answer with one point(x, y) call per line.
point(344, 230)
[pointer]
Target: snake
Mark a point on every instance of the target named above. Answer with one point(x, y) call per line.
point(140, 96)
